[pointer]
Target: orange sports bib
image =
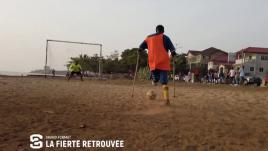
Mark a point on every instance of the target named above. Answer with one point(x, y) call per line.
point(158, 57)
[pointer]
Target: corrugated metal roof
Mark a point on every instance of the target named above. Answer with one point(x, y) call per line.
point(194, 52)
point(254, 50)
point(210, 51)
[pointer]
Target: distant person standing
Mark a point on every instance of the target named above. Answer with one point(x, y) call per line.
point(159, 45)
point(242, 75)
point(237, 76)
point(209, 76)
point(221, 76)
point(215, 77)
point(75, 68)
point(53, 72)
point(232, 75)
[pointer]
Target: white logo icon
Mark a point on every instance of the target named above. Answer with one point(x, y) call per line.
point(36, 141)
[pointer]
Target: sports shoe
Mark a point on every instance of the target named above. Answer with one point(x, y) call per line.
point(154, 83)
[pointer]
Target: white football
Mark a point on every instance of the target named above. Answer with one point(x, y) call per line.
point(151, 95)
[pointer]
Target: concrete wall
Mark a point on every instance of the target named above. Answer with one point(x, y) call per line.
point(262, 64)
point(251, 61)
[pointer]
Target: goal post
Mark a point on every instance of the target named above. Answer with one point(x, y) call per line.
point(100, 47)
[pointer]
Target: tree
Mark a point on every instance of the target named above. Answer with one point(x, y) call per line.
point(94, 63)
point(180, 63)
point(144, 73)
point(87, 63)
point(112, 64)
point(129, 59)
point(114, 55)
point(83, 60)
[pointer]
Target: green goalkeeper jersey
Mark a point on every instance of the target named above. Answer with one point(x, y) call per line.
point(75, 68)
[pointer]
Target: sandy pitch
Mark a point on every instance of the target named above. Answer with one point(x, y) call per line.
point(201, 117)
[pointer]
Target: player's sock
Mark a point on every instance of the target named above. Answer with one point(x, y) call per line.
point(166, 94)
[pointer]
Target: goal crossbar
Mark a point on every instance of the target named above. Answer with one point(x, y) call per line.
point(85, 43)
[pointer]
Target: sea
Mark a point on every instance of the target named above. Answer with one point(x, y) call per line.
point(12, 73)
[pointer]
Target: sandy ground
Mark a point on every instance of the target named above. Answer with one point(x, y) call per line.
point(200, 118)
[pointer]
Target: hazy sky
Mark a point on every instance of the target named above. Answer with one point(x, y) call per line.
point(118, 24)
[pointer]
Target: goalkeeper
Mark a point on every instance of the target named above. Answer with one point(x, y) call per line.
point(75, 68)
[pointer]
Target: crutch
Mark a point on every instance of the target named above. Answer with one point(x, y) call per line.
point(173, 61)
point(136, 70)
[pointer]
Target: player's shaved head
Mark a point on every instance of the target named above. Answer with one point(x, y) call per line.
point(160, 29)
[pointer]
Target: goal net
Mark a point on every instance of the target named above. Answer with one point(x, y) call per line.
point(60, 54)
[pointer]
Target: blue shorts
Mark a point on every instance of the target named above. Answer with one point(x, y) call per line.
point(159, 75)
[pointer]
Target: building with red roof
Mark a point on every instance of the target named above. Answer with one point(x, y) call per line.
point(255, 61)
point(210, 58)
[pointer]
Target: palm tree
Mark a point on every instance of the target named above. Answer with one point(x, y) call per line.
point(87, 63)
